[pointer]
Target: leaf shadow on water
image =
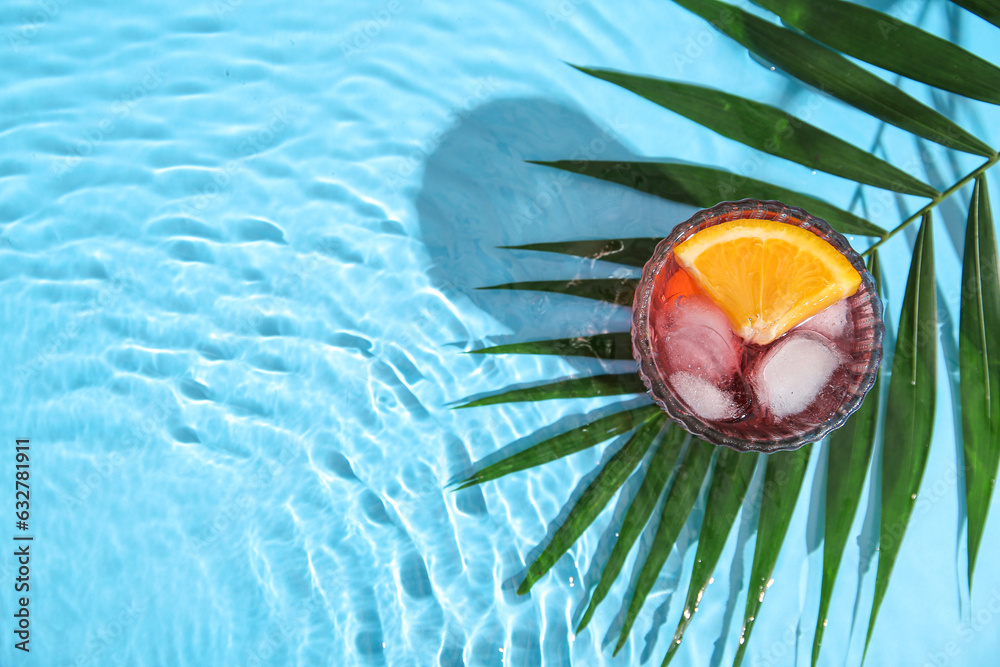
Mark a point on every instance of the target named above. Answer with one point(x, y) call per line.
point(479, 193)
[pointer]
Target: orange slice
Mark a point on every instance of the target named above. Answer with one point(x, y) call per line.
point(766, 276)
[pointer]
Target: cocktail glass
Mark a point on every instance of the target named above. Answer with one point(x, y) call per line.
point(783, 395)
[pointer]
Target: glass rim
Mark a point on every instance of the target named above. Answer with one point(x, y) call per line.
point(641, 340)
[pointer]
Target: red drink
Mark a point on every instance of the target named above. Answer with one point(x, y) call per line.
point(730, 392)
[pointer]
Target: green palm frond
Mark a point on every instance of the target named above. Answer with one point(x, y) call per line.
point(818, 48)
point(829, 71)
point(680, 501)
point(617, 345)
point(909, 415)
point(730, 480)
point(570, 442)
point(653, 485)
point(988, 9)
point(596, 496)
point(770, 130)
point(587, 386)
point(619, 291)
point(979, 359)
point(630, 252)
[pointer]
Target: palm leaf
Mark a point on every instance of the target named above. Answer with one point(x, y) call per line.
point(619, 291)
point(680, 499)
point(782, 481)
point(887, 42)
point(630, 252)
point(617, 345)
point(637, 516)
point(987, 9)
point(730, 480)
point(582, 387)
point(909, 409)
point(979, 363)
point(564, 444)
point(594, 499)
point(768, 129)
point(848, 454)
point(705, 187)
point(827, 70)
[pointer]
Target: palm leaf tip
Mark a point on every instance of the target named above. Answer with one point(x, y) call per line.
point(617, 291)
point(629, 252)
point(578, 387)
point(594, 499)
point(615, 345)
point(569, 442)
point(703, 187)
point(639, 511)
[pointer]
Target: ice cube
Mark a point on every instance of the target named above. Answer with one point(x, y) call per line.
point(697, 310)
point(701, 351)
point(691, 334)
point(696, 350)
point(788, 379)
point(704, 398)
point(831, 322)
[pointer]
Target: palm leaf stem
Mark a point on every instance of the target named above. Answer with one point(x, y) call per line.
point(934, 202)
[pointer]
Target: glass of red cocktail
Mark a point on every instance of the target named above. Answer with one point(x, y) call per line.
point(744, 380)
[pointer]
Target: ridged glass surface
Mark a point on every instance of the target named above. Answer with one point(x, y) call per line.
point(751, 433)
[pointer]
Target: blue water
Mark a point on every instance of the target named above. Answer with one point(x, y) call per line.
point(239, 243)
